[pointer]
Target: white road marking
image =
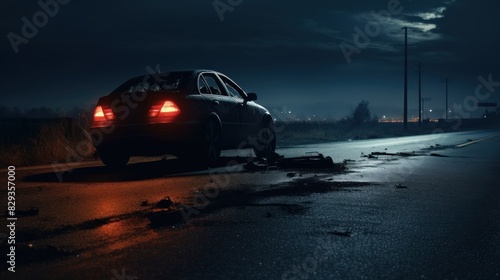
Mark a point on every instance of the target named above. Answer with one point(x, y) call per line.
point(475, 141)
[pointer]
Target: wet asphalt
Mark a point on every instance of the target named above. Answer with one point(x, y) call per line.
point(405, 208)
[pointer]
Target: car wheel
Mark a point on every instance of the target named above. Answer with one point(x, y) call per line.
point(113, 158)
point(211, 143)
point(266, 140)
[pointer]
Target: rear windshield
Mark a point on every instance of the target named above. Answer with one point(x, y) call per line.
point(157, 82)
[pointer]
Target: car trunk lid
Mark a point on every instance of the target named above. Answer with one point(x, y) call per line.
point(139, 107)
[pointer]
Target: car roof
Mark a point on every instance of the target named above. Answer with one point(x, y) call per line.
point(198, 71)
point(192, 71)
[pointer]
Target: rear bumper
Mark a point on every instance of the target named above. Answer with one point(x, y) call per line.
point(147, 139)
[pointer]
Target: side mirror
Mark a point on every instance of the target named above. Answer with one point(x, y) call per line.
point(252, 96)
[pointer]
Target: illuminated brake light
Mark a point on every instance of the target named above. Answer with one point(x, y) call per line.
point(164, 109)
point(169, 107)
point(101, 115)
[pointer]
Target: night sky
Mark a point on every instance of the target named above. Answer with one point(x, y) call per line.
point(290, 52)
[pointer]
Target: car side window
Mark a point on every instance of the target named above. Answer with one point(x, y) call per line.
point(214, 86)
point(233, 89)
point(202, 86)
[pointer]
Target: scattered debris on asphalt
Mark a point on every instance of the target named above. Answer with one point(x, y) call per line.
point(436, 147)
point(316, 160)
point(256, 166)
point(313, 160)
point(241, 198)
point(165, 213)
point(342, 233)
point(165, 203)
point(437, 155)
point(401, 186)
point(401, 154)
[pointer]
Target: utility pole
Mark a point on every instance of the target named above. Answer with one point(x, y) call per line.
point(405, 117)
point(446, 81)
point(422, 102)
point(446, 98)
point(419, 94)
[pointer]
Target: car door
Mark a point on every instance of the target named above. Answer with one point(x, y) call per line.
point(249, 115)
point(223, 105)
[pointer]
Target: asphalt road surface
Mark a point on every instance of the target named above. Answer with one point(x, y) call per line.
point(422, 207)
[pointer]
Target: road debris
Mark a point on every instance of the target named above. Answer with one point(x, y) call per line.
point(312, 160)
point(309, 161)
point(256, 166)
point(342, 233)
point(437, 155)
point(401, 154)
point(165, 203)
point(165, 213)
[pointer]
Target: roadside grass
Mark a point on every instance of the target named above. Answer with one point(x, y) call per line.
point(52, 142)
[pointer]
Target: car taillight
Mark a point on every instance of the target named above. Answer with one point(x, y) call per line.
point(103, 114)
point(164, 109)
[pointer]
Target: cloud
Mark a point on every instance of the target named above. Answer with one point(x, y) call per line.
point(436, 13)
point(419, 27)
point(391, 30)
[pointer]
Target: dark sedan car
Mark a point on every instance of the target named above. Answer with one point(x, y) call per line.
point(191, 114)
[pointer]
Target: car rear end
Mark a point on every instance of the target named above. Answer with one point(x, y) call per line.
point(144, 117)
